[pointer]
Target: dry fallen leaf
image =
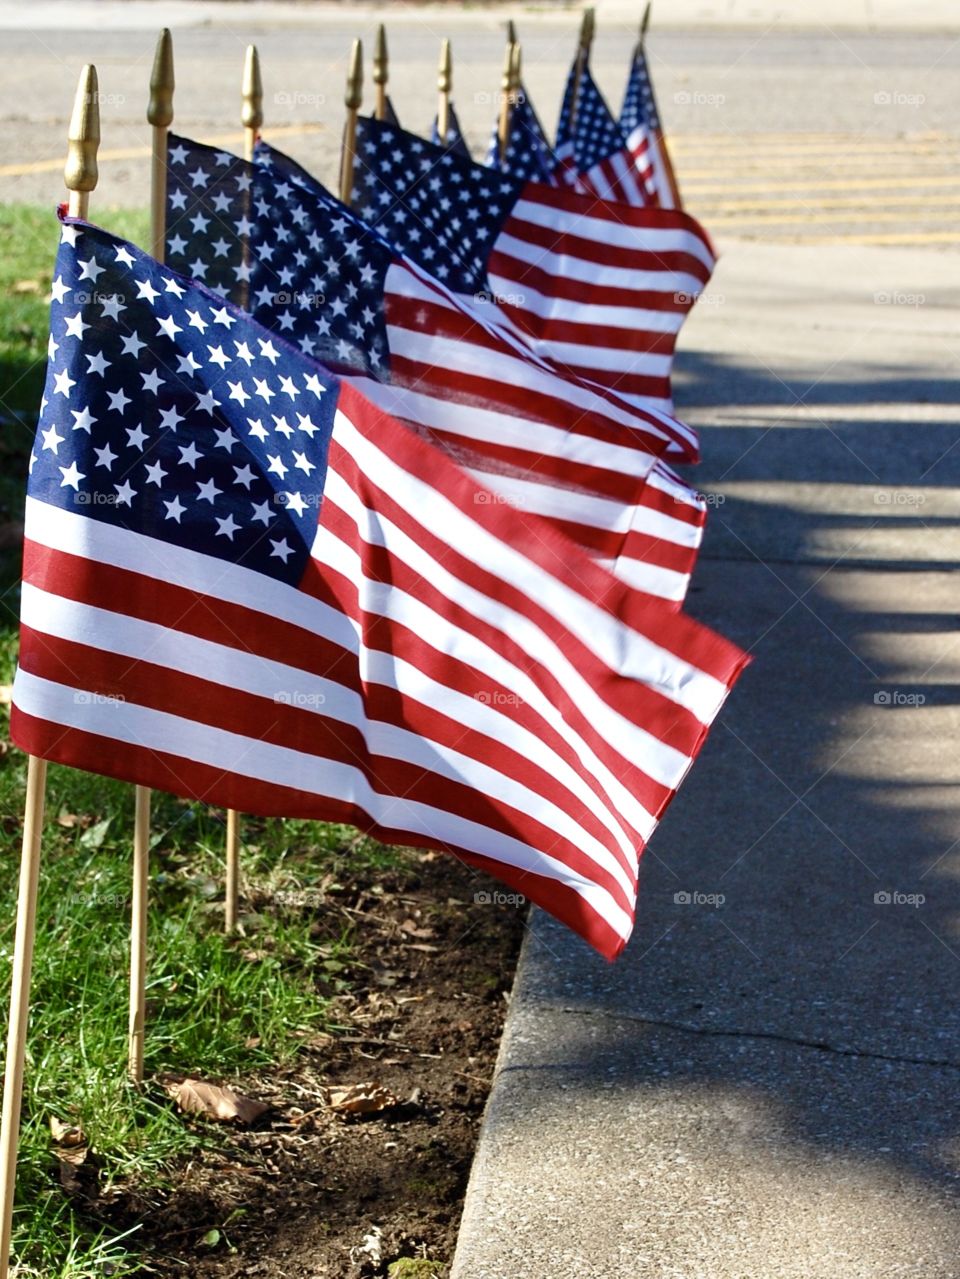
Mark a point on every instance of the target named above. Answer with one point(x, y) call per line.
point(6, 694)
point(197, 1097)
point(67, 1135)
point(79, 1167)
point(25, 286)
point(360, 1099)
point(70, 820)
point(413, 929)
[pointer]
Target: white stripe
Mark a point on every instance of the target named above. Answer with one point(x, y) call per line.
point(664, 583)
point(565, 266)
point(103, 543)
point(589, 509)
point(663, 763)
point(155, 730)
point(477, 423)
point(649, 239)
point(461, 357)
point(473, 422)
point(622, 649)
point(407, 281)
point(605, 357)
point(251, 673)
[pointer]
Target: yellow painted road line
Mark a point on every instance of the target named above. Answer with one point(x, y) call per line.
point(792, 155)
point(143, 153)
point(805, 215)
point(737, 141)
point(751, 169)
point(933, 237)
point(829, 202)
point(828, 184)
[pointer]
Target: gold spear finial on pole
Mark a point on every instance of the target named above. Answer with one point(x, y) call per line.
point(511, 32)
point(587, 29)
point(507, 99)
point(645, 21)
point(251, 114)
point(445, 86)
point(352, 101)
point(80, 172)
point(381, 72)
point(162, 84)
point(160, 117)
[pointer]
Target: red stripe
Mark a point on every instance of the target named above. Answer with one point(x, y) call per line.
point(597, 253)
point(679, 634)
point(142, 683)
point(210, 785)
point(455, 324)
point(119, 590)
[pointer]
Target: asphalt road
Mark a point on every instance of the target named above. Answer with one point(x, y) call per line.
point(821, 135)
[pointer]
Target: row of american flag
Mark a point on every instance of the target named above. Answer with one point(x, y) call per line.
point(364, 509)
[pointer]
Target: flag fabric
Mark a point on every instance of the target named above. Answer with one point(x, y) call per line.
point(640, 122)
point(593, 151)
point(599, 288)
point(528, 155)
point(246, 584)
point(454, 141)
point(269, 237)
point(390, 115)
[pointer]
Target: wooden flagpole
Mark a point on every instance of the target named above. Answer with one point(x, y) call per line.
point(445, 87)
point(381, 72)
point(80, 176)
point(507, 99)
point(587, 28)
point(251, 116)
point(159, 117)
point(352, 101)
point(661, 138)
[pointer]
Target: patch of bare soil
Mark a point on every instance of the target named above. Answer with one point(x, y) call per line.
point(345, 1183)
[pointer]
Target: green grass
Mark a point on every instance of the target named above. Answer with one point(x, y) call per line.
point(211, 1011)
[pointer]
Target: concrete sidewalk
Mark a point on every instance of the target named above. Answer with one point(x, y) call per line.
point(764, 1086)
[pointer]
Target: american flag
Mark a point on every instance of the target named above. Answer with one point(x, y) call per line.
point(528, 155)
point(454, 140)
point(592, 149)
point(273, 239)
point(246, 584)
point(598, 288)
point(640, 122)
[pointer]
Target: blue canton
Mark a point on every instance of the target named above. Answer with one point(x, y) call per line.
point(442, 211)
point(639, 104)
point(269, 238)
point(168, 412)
point(529, 156)
point(595, 134)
